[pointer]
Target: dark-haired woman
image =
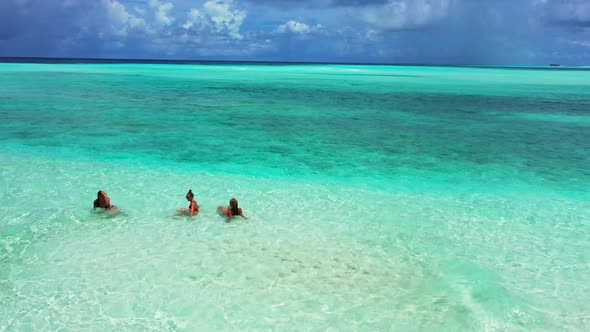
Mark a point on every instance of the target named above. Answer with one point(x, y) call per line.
point(103, 201)
point(193, 207)
point(232, 210)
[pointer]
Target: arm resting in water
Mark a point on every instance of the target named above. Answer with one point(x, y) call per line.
point(226, 212)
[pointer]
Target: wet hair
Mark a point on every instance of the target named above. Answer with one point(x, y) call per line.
point(100, 201)
point(190, 194)
point(100, 197)
point(233, 206)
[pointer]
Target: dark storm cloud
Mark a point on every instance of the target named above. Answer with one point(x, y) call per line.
point(572, 12)
point(39, 28)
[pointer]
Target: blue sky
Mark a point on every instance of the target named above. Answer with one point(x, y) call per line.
point(386, 31)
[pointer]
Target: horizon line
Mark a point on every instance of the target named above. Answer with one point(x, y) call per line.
point(81, 60)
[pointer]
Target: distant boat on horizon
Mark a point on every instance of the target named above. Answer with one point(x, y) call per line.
point(554, 65)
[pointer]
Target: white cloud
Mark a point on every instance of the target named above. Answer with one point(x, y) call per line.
point(196, 20)
point(372, 35)
point(224, 18)
point(297, 27)
point(162, 12)
point(116, 11)
point(139, 10)
point(120, 21)
point(217, 18)
point(405, 14)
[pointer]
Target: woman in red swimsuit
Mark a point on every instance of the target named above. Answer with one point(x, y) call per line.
point(232, 210)
point(193, 207)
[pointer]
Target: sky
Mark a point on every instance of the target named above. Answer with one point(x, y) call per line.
point(518, 32)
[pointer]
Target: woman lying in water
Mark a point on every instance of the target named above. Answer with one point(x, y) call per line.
point(193, 207)
point(232, 210)
point(103, 201)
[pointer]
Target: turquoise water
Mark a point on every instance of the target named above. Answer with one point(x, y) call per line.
point(379, 197)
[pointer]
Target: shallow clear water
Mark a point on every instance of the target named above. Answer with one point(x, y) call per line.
point(379, 197)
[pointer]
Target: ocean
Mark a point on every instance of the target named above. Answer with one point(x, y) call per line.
point(405, 198)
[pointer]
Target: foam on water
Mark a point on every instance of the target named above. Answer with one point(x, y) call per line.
point(377, 210)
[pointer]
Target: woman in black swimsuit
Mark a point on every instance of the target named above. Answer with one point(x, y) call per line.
point(103, 201)
point(232, 210)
